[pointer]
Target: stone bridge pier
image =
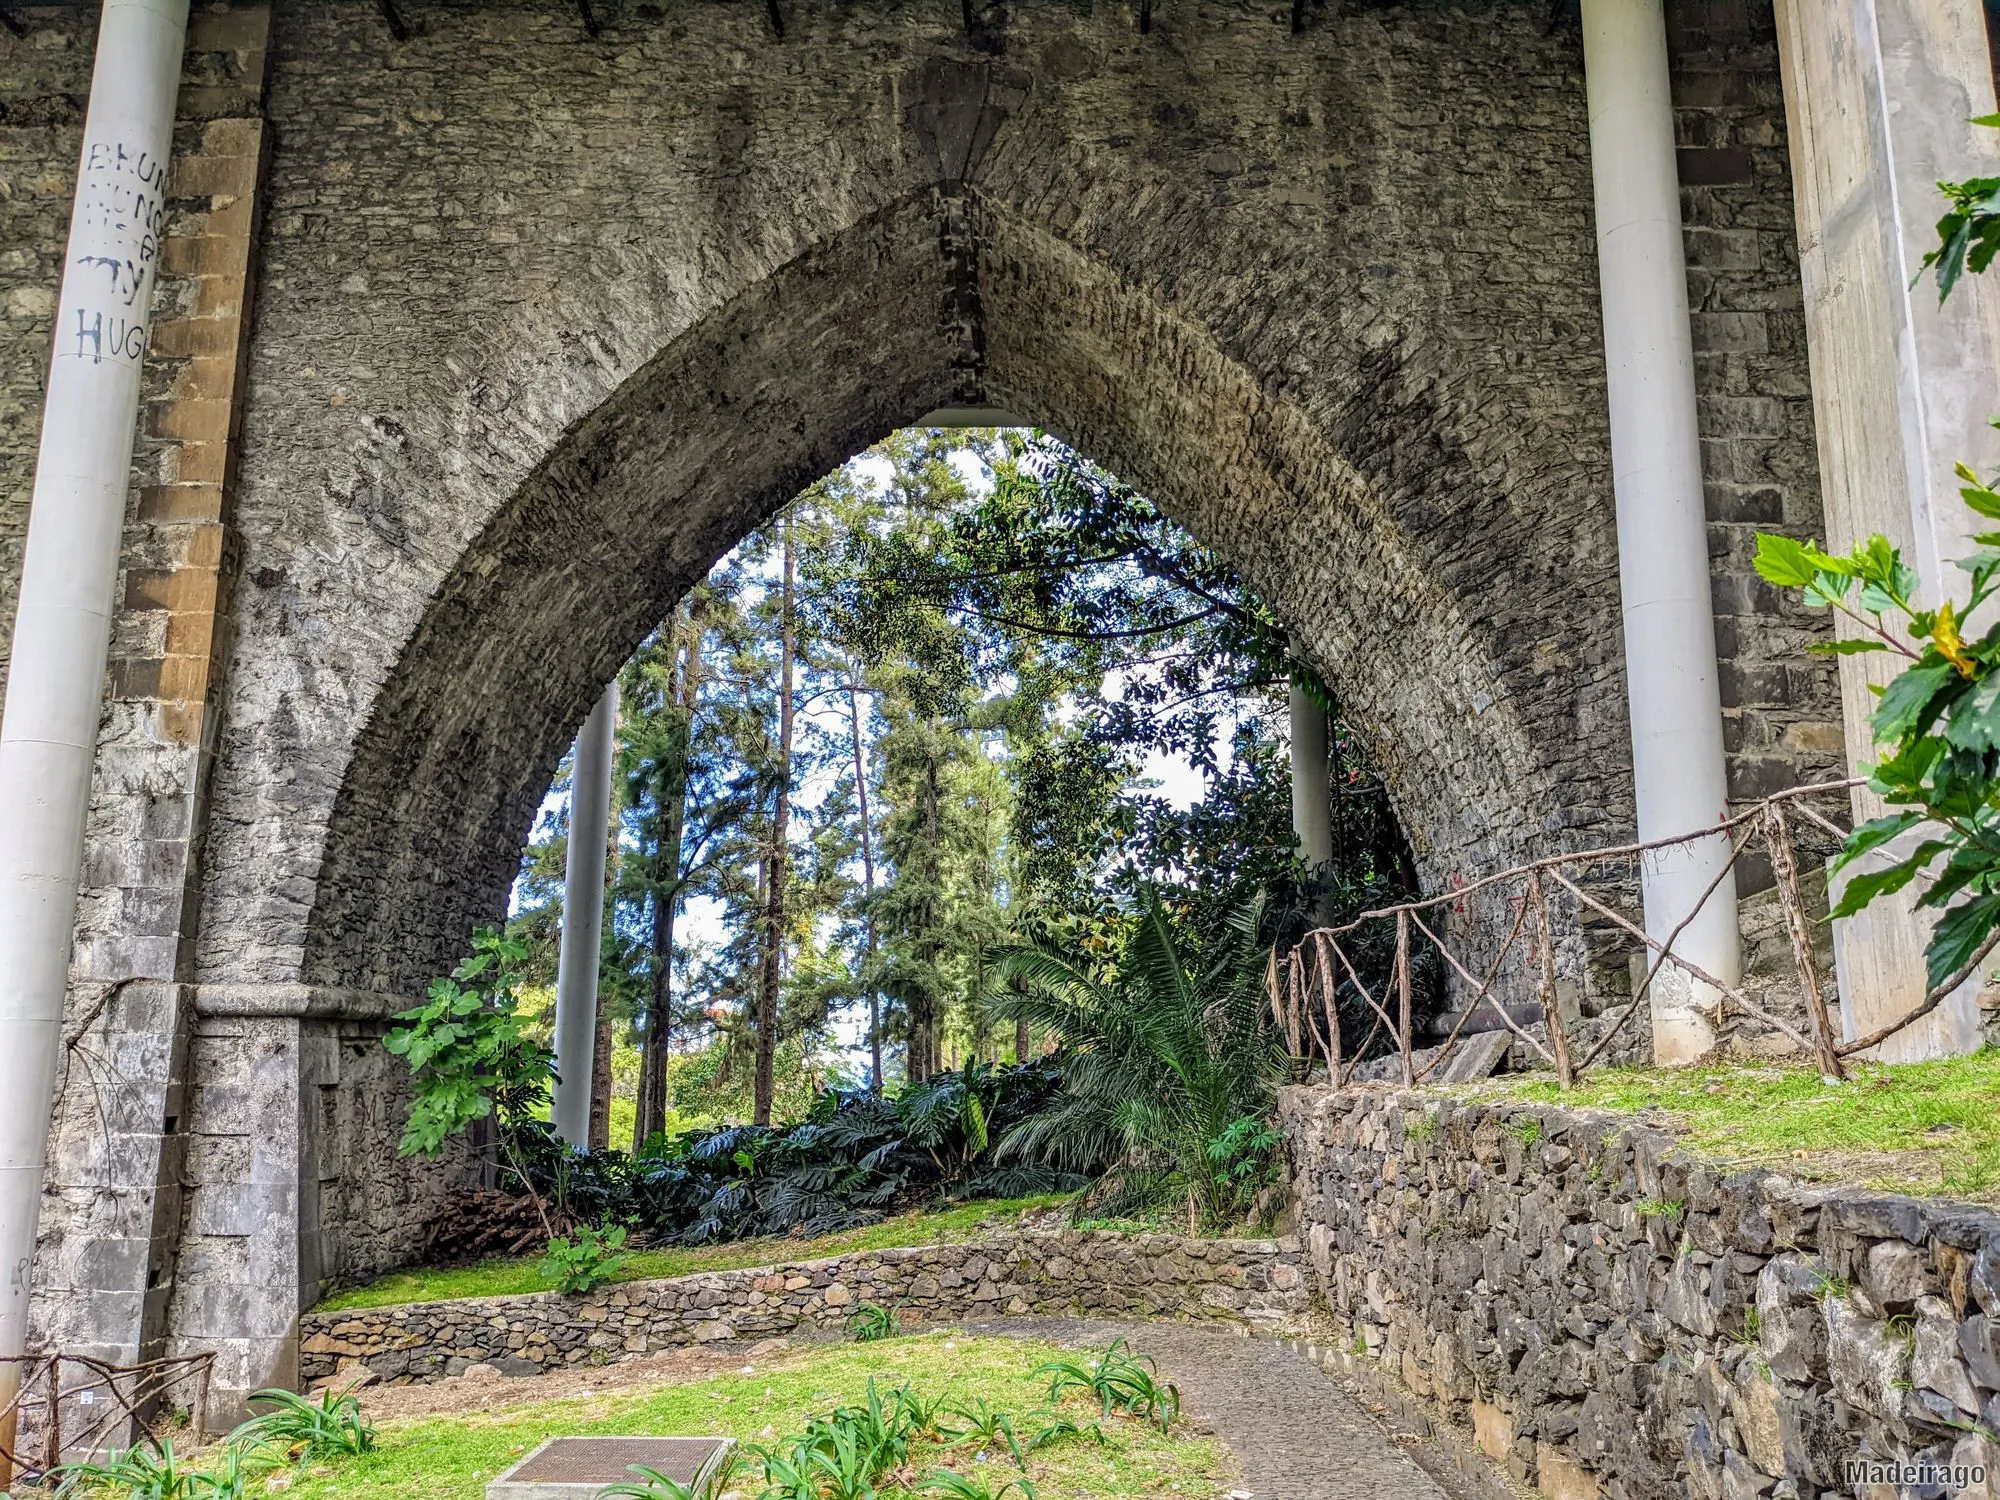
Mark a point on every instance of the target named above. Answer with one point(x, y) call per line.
point(480, 331)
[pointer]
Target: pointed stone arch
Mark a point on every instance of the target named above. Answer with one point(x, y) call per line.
point(724, 425)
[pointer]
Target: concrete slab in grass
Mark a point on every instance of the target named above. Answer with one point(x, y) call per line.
point(581, 1468)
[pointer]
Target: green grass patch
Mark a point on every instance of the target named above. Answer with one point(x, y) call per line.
point(1929, 1128)
point(454, 1458)
point(521, 1274)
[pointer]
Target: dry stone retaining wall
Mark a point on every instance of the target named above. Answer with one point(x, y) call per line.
point(1612, 1317)
point(1254, 1283)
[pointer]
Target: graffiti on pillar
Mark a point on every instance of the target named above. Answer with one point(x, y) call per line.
point(121, 217)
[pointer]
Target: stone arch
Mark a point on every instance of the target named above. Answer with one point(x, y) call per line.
point(730, 420)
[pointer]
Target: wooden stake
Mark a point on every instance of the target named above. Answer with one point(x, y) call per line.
point(1785, 871)
point(1545, 981)
point(1328, 984)
point(1403, 997)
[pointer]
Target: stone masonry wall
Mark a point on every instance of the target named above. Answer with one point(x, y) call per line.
point(1613, 1317)
point(482, 335)
point(1255, 1283)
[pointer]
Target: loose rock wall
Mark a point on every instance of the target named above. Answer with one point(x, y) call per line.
point(1254, 1283)
point(1611, 1316)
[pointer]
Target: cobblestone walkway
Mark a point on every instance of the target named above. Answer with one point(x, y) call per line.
point(1294, 1433)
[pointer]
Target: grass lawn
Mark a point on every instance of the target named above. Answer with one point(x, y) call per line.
point(509, 1277)
point(1930, 1128)
point(452, 1459)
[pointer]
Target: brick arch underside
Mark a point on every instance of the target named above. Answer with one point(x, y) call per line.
point(936, 300)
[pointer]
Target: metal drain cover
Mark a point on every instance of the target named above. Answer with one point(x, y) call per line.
point(577, 1468)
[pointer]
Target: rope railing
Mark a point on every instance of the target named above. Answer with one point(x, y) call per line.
point(1305, 987)
point(71, 1407)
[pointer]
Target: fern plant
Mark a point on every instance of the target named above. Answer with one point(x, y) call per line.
point(1169, 1071)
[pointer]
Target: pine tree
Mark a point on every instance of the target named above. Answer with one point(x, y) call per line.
point(778, 857)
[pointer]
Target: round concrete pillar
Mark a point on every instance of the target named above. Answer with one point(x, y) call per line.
point(1678, 771)
point(583, 919)
point(48, 732)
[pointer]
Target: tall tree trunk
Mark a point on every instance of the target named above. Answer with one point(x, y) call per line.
point(984, 1048)
point(924, 1020)
point(1021, 1040)
point(600, 1085)
point(774, 915)
point(867, 877)
point(655, 1077)
point(652, 1112)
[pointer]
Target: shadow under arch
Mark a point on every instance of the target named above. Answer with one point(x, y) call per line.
point(939, 299)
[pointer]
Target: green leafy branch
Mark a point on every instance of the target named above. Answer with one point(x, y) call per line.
point(471, 1055)
point(1969, 233)
point(1937, 725)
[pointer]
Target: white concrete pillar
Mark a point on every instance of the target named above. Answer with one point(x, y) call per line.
point(1880, 96)
point(62, 625)
point(1312, 812)
point(583, 919)
point(1678, 772)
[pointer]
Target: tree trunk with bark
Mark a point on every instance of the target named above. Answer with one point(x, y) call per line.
point(922, 1006)
point(867, 877)
point(654, 1078)
point(774, 911)
point(600, 1085)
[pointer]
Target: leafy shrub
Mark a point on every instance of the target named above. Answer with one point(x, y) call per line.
point(1969, 233)
point(586, 1260)
point(1120, 1380)
point(870, 1323)
point(1246, 1155)
point(302, 1429)
point(1937, 725)
point(469, 1049)
point(152, 1472)
point(857, 1158)
point(960, 1487)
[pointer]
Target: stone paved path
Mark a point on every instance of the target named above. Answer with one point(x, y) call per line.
point(1295, 1434)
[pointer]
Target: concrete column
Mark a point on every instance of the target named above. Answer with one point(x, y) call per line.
point(1312, 813)
point(1678, 774)
point(1879, 99)
point(583, 919)
point(48, 733)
